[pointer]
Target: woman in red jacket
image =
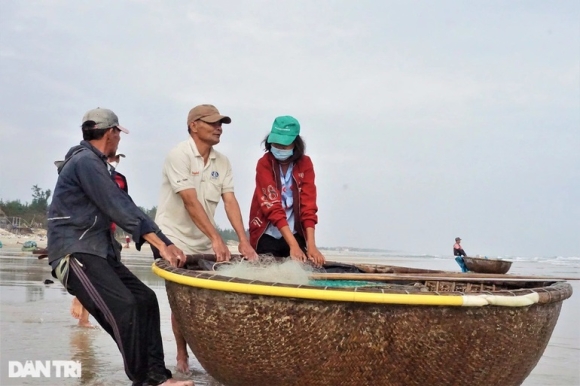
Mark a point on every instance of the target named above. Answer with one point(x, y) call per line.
point(283, 211)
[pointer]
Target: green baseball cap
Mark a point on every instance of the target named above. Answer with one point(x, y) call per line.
point(285, 129)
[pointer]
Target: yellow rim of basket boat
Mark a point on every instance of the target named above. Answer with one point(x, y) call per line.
point(348, 296)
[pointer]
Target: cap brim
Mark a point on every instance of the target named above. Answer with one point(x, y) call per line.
point(284, 140)
point(123, 129)
point(216, 118)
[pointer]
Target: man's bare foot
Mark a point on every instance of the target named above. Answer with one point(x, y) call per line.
point(182, 365)
point(85, 324)
point(176, 382)
point(84, 319)
point(76, 308)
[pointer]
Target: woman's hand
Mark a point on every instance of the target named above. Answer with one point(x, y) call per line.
point(315, 256)
point(296, 253)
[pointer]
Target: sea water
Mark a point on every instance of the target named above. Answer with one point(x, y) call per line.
point(35, 321)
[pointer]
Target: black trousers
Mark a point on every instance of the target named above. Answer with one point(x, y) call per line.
point(278, 247)
point(127, 309)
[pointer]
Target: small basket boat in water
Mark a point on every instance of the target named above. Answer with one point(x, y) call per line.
point(29, 245)
point(485, 265)
point(414, 327)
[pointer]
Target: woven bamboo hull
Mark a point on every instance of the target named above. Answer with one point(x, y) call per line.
point(247, 340)
point(480, 265)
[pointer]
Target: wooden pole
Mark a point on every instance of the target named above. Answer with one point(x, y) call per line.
point(490, 275)
point(191, 259)
point(448, 276)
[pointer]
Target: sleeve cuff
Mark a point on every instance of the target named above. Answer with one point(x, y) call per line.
point(282, 223)
point(164, 238)
point(143, 228)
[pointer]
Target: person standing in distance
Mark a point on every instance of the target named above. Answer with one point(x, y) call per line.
point(86, 259)
point(459, 253)
point(195, 178)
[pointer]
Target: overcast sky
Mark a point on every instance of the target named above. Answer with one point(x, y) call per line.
point(425, 120)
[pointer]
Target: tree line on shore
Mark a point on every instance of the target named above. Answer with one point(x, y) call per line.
point(34, 214)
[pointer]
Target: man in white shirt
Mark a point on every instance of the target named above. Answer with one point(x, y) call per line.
point(195, 176)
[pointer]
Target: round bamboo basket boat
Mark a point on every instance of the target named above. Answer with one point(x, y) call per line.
point(482, 265)
point(430, 332)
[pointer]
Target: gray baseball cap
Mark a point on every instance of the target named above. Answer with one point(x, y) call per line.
point(104, 118)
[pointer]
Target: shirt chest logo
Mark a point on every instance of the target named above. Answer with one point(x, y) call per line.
point(214, 175)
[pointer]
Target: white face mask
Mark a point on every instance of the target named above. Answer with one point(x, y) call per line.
point(281, 154)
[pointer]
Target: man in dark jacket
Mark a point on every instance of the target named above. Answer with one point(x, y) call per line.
point(77, 310)
point(84, 257)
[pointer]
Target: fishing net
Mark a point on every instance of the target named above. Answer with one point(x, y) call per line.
point(270, 269)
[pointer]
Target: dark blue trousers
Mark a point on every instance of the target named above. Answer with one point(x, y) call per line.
point(124, 307)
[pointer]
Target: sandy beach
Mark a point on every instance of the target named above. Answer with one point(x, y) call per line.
point(35, 323)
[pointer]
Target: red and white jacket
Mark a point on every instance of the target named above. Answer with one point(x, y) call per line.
point(266, 206)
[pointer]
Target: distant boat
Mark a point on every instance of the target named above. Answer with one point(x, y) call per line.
point(29, 245)
point(486, 265)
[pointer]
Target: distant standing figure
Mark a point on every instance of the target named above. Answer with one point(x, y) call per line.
point(127, 241)
point(458, 252)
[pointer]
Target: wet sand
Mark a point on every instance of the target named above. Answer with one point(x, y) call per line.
point(35, 323)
